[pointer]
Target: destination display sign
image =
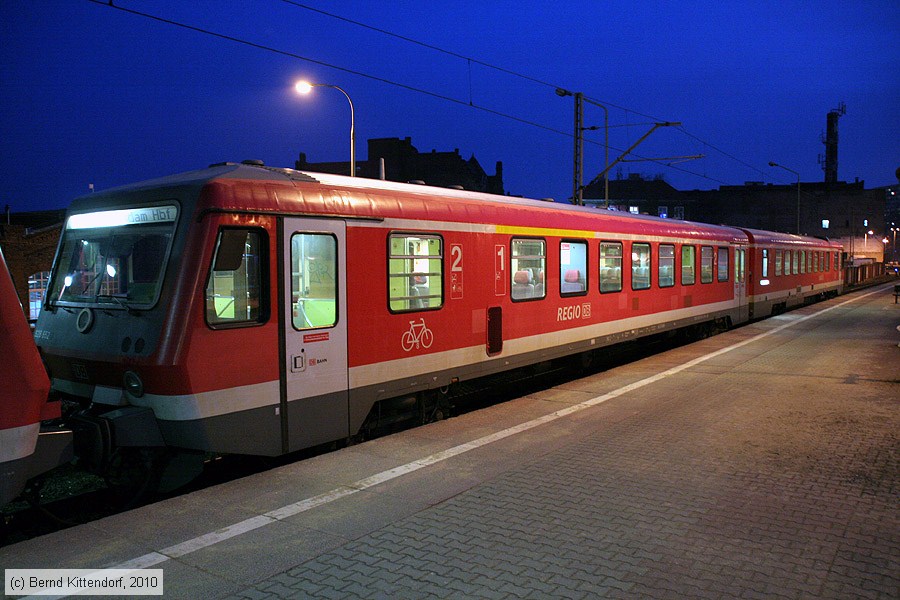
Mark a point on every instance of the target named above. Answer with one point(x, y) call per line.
point(118, 218)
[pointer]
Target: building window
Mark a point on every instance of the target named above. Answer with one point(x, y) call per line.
point(634, 210)
point(529, 259)
point(666, 265)
point(415, 272)
point(663, 212)
point(825, 223)
point(610, 266)
point(640, 266)
point(573, 267)
point(37, 287)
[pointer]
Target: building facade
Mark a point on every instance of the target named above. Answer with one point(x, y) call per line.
point(404, 163)
point(29, 241)
point(841, 211)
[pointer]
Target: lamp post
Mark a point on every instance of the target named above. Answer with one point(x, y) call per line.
point(774, 164)
point(894, 244)
point(305, 87)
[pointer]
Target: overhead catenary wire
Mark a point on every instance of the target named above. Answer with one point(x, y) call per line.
point(470, 103)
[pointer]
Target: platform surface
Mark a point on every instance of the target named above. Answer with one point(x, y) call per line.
point(760, 463)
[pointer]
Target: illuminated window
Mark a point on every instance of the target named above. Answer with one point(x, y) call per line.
point(706, 264)
point(234, 289)
point(114, 258)
point(572, 267)
point(640, 266)
point(778, 254)
point(688, 264)
point(314, 275)
point(723, 264)
point(802, 254)
point(666, 265)
point(415, 272)
point(765, 263)
point(610, 266)
point(528, 262)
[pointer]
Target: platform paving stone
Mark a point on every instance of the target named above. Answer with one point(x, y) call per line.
point(777, 477)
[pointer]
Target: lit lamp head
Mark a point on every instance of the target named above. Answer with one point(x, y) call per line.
point(303, 87)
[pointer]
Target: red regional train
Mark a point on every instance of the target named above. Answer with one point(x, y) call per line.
point(257, 310)
point(25, 450)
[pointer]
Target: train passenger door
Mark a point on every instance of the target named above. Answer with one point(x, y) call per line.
point(740, 283)
point(314, 400)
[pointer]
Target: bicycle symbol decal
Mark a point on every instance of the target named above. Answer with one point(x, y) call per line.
point(418, 336)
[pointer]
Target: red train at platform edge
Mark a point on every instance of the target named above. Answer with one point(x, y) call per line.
point(255, 310)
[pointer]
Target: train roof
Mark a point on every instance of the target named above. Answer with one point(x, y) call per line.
point(325, 193)
point(773, 238)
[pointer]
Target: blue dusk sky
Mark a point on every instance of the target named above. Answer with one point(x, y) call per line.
point(109, 95)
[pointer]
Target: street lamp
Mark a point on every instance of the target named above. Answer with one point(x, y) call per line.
point(305, 87)
point(774, 164)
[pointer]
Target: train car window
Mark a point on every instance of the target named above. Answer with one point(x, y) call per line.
point(235, 290)
point(415, 272)
point(802, 261)
point(706, 264)
point(640, 266)
point(723, 264)
point(314, 277)
point(787, 262)
point(528, 260)
point(573, 268)
point(778, 254)
point(765, 263)
point(666, 266)
point(610, 267)
point(688, 265)
point(827, 261)
point(796, 262)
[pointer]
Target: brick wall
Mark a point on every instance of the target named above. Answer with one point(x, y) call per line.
point(28, 251)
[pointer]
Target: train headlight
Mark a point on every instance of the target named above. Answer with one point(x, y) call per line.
point(133, 384)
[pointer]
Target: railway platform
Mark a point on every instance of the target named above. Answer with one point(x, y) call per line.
point(760, 463)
